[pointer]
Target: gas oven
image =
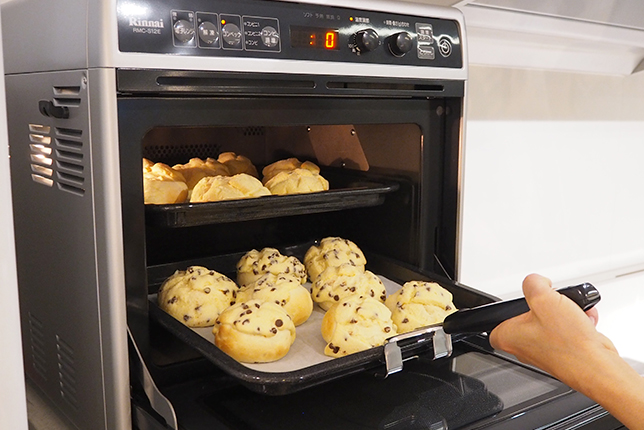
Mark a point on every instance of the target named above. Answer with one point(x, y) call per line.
point(371, 92)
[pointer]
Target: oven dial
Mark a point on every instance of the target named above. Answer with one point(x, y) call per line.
point(366, 40)
point(400, 43)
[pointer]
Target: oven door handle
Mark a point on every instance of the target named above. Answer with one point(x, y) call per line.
point(158, 401)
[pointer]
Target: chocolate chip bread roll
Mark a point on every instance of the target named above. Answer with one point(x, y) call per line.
point(419, 304)
point(355, 324)
point(254, 332)
point(332, 252)
point(336, 283)
point(197, 295)
point(284, 290)
point(255, 263)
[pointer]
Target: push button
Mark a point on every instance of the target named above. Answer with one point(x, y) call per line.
point(445, 47)
point(231, 33)
point(183, 28)
point(425, 37)
point(261, 34)
point(208, 30)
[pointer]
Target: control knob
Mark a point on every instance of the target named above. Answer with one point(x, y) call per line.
point(400, 43)
point(367, 40)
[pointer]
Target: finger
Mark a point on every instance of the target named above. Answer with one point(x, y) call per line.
point(535, 285)
point(593, 314)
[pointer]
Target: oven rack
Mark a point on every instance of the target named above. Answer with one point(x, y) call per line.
point(347, 195)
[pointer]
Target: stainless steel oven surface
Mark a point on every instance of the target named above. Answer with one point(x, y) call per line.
point(373, 93)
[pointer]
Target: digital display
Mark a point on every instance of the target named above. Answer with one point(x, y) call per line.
point(314, 37)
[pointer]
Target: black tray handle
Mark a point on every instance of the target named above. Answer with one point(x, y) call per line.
point(485, 318)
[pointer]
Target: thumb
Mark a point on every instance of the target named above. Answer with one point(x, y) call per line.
point(535, 285)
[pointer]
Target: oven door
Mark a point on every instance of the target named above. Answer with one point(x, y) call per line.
point(473, 389)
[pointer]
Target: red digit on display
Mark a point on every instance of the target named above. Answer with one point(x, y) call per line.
point(329, 40)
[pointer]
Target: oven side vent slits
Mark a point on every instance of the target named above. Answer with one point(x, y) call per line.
point(57, 154)
point(70, 160)
point(67, 372)
point(40, 154)
point(57, 159)
point(37, 346)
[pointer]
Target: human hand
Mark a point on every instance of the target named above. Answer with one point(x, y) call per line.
point(555, 335)
point(558, 337)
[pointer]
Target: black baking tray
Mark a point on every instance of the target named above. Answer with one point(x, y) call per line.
point(281, 383)
point(346, 195)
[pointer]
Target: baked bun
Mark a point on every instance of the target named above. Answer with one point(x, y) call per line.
point(217, 188)
point(419, 304)
point(162, 184)
point(237, 164)
point(356, 324)
point(297, 181)
point(254, 332)
point(255, 263)
point(284, 290)
point(332, 252)
point(196, 169)
point(196, 296)
point(336, 283)
point(287, 165)
point(147, 165)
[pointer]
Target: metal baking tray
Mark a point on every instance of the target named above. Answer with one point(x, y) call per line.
point(345, 192)
point(306, 365)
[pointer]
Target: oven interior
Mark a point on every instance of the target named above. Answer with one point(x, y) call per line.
point(405, 147)
point(405, 141)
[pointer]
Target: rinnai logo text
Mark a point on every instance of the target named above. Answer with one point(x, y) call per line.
point(146, 26)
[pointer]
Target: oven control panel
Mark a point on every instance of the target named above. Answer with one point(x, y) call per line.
point(273, 29)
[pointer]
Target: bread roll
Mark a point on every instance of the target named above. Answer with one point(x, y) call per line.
point(336, 283)
point(284, 290)
point(419, 304)
point(237, 164)
point(287, 165)
point(255, 263)
point(196, 169)
point(254, 332)
point(356, 324)
point(332, 252)
point(217, 188)
point(162, 184)
point(297, 181)
point(196, 296)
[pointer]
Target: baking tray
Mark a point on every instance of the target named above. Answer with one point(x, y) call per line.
point(344, 193)
point(305, 365)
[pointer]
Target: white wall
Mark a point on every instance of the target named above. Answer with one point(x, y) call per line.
point(554, 177)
